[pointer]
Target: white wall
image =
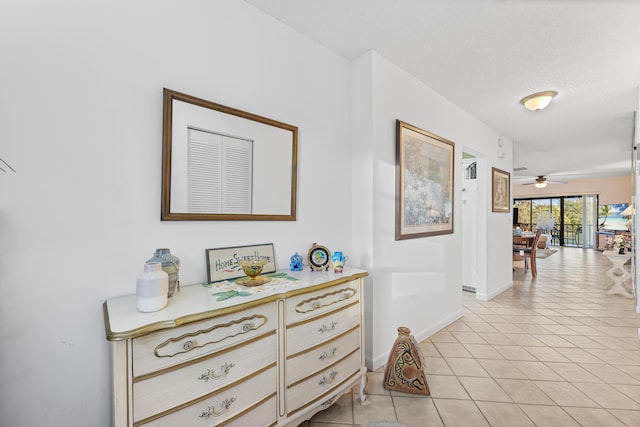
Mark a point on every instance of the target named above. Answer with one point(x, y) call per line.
point(417, 282)
point(80, 122)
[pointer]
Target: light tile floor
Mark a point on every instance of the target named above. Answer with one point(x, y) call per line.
point(551, 351)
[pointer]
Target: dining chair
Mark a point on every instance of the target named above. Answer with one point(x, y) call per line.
point(520, 261)
point(528, 254)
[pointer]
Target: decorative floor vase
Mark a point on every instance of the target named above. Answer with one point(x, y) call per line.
point(405, 367)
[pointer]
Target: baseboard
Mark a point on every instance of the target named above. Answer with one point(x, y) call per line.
point(485, 297)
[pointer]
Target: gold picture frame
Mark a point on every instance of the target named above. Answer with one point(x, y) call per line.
point(197, 182)
point(500, 190)
point(424, 183)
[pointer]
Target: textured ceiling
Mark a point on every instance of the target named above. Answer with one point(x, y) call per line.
point(486, 55)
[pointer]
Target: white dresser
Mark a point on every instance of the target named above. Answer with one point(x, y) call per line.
point(272, 358)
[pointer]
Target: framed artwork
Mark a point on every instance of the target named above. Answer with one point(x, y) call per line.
point(500, 190)
point(222, 263)
point(424, 183)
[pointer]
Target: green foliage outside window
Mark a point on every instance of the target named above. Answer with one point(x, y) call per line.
point(568, 228)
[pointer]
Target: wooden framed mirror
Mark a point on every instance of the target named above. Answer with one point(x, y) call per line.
point(220, 163)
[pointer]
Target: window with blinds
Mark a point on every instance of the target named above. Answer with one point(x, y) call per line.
point(220, 177)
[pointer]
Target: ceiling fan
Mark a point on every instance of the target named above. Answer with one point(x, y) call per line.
point(541, 182)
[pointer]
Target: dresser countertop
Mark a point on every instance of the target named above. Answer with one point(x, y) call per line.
point(197, 302)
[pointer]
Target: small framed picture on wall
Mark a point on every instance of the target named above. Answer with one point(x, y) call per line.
point(500, 190)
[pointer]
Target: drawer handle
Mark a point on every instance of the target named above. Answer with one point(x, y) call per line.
point(324, 328)
point(328, 354)
point(210, 374)
point(211, 411)
point(214, 334)
point(325, 300)
point(325, 380)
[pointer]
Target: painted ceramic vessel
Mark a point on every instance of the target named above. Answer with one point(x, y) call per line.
point(405, 369)
point(338, 260)
point(171, 265)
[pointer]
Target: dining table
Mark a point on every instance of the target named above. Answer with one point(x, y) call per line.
point(523, 240)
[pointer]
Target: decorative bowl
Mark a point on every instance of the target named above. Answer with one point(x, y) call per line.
point(252, 267)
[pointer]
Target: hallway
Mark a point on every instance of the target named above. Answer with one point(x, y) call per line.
point(552, 351)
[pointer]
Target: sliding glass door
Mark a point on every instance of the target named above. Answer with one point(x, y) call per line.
point(590, 220)
point(575, 218)
point(572, 221)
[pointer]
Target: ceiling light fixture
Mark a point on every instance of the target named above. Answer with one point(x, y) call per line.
point(540, 184)
point(538, 101)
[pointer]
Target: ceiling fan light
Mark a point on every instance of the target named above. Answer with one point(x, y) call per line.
point(538, 101)
point(540, 184)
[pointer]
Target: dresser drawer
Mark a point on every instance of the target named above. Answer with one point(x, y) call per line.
point(264, 414)
point(304, 335)
point(322, 383)
point(305, 306)
point(233, 403)
point(171, 347)
point(202, 376)
point(319, 357)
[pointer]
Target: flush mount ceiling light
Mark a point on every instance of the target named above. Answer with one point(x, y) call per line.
point(538, 101)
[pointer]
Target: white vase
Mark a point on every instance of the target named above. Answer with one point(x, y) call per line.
point(152, 288)
point(171, 265)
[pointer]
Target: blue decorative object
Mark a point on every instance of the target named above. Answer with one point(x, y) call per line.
point(338, 260)
point(338, 256)
point(296, 262)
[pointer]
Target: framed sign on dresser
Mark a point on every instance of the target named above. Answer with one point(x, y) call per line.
point(269, 356)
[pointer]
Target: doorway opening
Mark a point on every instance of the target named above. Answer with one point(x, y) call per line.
point(470, 222)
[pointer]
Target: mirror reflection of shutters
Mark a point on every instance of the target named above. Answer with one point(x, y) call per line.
point(220, 173)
